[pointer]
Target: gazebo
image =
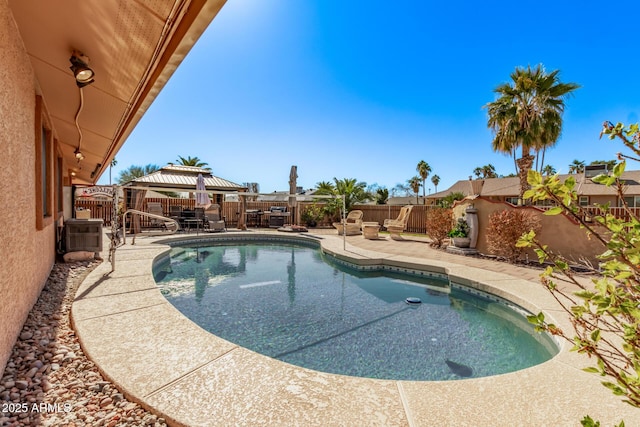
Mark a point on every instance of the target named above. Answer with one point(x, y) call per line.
point(178, 178)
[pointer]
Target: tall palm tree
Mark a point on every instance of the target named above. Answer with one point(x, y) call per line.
point(191, 161)
point(423, 170)
point(435, 179)
point(111, 165)
point(414, 184)
point(528, 114)
point(477, 172)
point(577, 166)
point(548, 170)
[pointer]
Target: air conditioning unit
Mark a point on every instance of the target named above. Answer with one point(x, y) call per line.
point(83, 235)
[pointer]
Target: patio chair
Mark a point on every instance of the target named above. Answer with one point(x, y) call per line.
point(352, 224)
point(156, 209)
point(212, 219)
point(398, 225)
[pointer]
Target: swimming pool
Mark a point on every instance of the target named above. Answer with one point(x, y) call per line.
point(298, 305)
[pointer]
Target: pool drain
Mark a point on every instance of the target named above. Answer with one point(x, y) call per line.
point(413, 301)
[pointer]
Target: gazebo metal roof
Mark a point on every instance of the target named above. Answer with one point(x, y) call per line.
point(178, 177)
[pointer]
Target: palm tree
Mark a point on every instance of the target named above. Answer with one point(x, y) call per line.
point(353, 191)
point(489, 171)
point(191, 161)
point(435, 179)
point(548, 170)
point(325, 188)
point(382, 195)
point(447, 201)
point(577, 166)
point(112, 164)
point(423, 170)
point(414, 184)
point(477, 172)
point(134, 172)
point(528, 115)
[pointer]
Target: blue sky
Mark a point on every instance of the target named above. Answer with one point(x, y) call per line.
point(367, 89)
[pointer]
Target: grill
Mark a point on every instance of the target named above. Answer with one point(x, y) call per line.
point(277, 216)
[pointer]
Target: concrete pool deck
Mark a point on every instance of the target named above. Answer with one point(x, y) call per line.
point(162, 360)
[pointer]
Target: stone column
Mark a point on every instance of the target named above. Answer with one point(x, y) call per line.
point(472, 220)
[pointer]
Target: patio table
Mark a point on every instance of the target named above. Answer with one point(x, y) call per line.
point(370, 230)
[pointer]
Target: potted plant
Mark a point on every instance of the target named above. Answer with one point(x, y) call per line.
point(311, 215)
point(460, 234)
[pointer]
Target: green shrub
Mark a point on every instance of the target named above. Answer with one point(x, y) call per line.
point(461, 229)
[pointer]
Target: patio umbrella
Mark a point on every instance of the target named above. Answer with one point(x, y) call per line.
point(202, 198)
point(293, 176)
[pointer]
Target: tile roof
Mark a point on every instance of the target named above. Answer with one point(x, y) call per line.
point(510, 186)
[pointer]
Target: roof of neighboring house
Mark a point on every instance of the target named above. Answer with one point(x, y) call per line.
point(463, 186)
point(405, 200)
point(500, 186)
point(177, 177)
point(510, 187)
point(586, 187)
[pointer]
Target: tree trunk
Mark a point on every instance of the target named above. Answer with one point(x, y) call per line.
point(524, 166)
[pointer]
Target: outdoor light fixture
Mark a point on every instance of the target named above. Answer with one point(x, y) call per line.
point(81, 71)
point(84, 76)
point(95, 171)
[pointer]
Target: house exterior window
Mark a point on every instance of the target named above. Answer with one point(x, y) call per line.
point(44, 171)
point(59, 182)
point(632, 201)
point(512, 200)
point(43, 168)
point(546, 202)
point(583, 201)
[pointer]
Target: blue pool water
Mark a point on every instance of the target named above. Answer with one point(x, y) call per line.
point(295, 304)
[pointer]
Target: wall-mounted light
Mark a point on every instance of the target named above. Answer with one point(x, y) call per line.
point(95, 171)
point(84, 76)
point(81, 71)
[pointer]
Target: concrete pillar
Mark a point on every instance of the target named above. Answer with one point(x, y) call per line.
point(472, 220)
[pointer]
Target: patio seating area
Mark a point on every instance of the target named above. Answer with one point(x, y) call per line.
point(398, 225)
point(351, 225)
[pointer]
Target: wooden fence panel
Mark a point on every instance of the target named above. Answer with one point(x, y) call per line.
point(98, 208)
point(378, 213)
point(231, 211)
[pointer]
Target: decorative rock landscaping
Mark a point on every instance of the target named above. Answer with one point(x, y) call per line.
point(48, 380)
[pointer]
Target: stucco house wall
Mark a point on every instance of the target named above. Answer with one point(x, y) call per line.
point(26, 253)
point(561, 234)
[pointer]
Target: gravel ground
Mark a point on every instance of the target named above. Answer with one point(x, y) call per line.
point(49, 381)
